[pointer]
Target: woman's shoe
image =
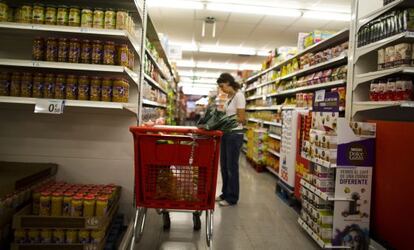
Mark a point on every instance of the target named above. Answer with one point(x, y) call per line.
point(219, 198)
point(225, 203)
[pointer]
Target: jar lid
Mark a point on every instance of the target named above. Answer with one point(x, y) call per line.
point(86, 8)
point(95, 78)
point(63, 39)
point(78, 197)
point(38, 4)
point(62, 6)
point(110, 42)
point(57, 194)
point(50, 6)
point(109, 9)
point(86, 41)
point(46, 193)
point(74, 7)
point(103, 198)
point(71, 76)
point(83, 77)
point(69, 193)
point(98, 9)
point(74, 39)
point(97, 41)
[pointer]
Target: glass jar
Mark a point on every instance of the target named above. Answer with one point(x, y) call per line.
point(38, 85)
point(62, 15)
point(71, 87)
point(83, 89)
point(33, 236)
point(26, 13)
point(15, 84)
point(102, 206)
point(4, 9)
point(49, 86)
point(95, 92)
point(110, 19)
point(74, 16)
point(46, 236)
point(44, 204)
point(120, 90)
point(98, 18)
point(89, 206)
point(122, 56)
point(77, 206)
point(121, 20)
point(26, 85)
point(10, 14)
point(106, 90)
point(60, 86)
point(63, 50)
point(74, 50)
point(84, 236)
point(50, 15)
point(97, 50)
point(131, 59)
point(38, 49)
point(4, 84)
point(71, 236)
point(97, 236)
point(20, 236)
point(38, 16)
point(51, 49)
point(67, 203)
point(58, 236)
point(56, 204)
point(87, 18)
point(17, 17)
point(109, 53)
point(86, 52)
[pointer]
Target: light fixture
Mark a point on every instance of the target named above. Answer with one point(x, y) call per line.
point(227, 50)
point(176, 4)
point(323, 15)
point(251, 9)
point(190, 47)
point(213, 75)
point(213, 65)
point(216, 65)
point(198, 80)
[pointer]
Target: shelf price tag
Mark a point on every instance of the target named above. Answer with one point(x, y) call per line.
point(48, 106)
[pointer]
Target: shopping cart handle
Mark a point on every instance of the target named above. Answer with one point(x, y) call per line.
point(175, 129)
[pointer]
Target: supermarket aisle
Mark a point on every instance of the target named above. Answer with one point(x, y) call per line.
point(261, 221)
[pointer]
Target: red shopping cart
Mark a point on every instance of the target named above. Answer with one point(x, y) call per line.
point(175, 169)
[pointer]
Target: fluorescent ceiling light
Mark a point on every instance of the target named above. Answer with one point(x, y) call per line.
point(250, 67)
point(214, 75)
point(228, 50)
point(187, 46)
point(176, 4)
point(199, 80)
point(212, 65)
point(327, 16)
point(186, 63)
point(251, 9)
point(188, 90)
point(216, 65)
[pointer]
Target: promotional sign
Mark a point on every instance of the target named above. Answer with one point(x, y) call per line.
point(48, 106)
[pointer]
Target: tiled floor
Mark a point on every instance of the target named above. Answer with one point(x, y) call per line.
point(261, 221)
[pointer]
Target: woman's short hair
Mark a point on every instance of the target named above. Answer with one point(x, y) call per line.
point(228, 78)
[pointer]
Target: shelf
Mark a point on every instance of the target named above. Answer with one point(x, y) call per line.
point(335, 39)
point(316, 191)
point(273, 152)
point(255, 97)
point(379, 44)
point(154, 83)
point(264, 108)
point(310, 87)
point(73, 103)
point(276, 124)
point(112, 33)
point(153, 104)
point(254, 120)
point(318, 161)
point(271, 170)
point(376, 13)
point(316, 237)
point(364, 106)
point(154, 61)
point(368, 77)
point(276, 137)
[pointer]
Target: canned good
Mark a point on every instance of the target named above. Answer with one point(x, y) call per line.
point(110, 19)
point(46, 236)
point(50, 15)
point(49, 86)
point(38, 16)
point(102, 205)
point(98, 18)
point(84, 236)
point(71, 87)
point(15, 84)
point(87, 18)
point(106, 90)
point(60, 86)
point(33, 235)
point(71, 236)
point(20, 236)
point(74, 16)
point(26, 85)
point(77, 206)
point(58, 236)
point(44, 204)
point(25, 15)
point(62, 15)
point(67, 203)
point(89, 206)
point(4, 84)
point(97, 236)
point(95, 92)
point(4, 9)
point(57, 203)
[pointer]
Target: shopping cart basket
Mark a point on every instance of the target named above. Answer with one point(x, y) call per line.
point(175, 169)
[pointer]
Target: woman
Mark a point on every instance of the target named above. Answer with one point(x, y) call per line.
point(232, 142)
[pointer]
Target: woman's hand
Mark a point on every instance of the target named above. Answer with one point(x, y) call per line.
point(241, 116)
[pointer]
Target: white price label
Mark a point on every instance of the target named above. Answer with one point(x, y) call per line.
point(320, 95)
point(47, 106)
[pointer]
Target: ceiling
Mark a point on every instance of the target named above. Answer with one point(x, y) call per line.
point(261, 32)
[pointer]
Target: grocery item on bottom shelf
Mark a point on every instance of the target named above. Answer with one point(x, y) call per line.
point(392, 89)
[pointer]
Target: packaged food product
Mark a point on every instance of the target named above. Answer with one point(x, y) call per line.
point(74, 17)
point(74, 50)
point(122, 56)
point(44, 205)
point(38, 84)
point(77, 206)
point(67, 203)
point(131, 61)
point(38, 16)
point(373, 96)
point(87, 18)
point(51, 49)
point(15, 84)
point(71, 87)
point(102, 205)
point(4, 84)
point(62, 15)
point(38, 49)
point(89, 206)
point(391, 89)
point(97, 236)
point(83, 89)
point(49, 86)
point(4, 8)
point(97, 52)
point(106, 90)
point(50, 15)
point(98, 18)
point(57, 202)
point(63, 50)
point(110, 19)
point(389, 56)
point(71, 236)
point(46, 236)
point(95, 93)
point(121, 19)
point(34, 235)
point(20, 236)
point(120, 90)
point(109, 53)
point(381, 90)
point(402, 54)
point(25, 13)
point(58, 236)
point(84, 236)
point(10, 14)
point(86, 52)
point(60, 86)
point(342, 96)
point(26, 85)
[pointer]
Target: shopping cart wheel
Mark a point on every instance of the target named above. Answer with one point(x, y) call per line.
point(196, 220)
point(209, 228)
point(166, 220)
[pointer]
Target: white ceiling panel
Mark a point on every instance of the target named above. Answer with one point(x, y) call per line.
point(274, 21)
point(171, 15)
point(307, 23)
point(245, 18)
